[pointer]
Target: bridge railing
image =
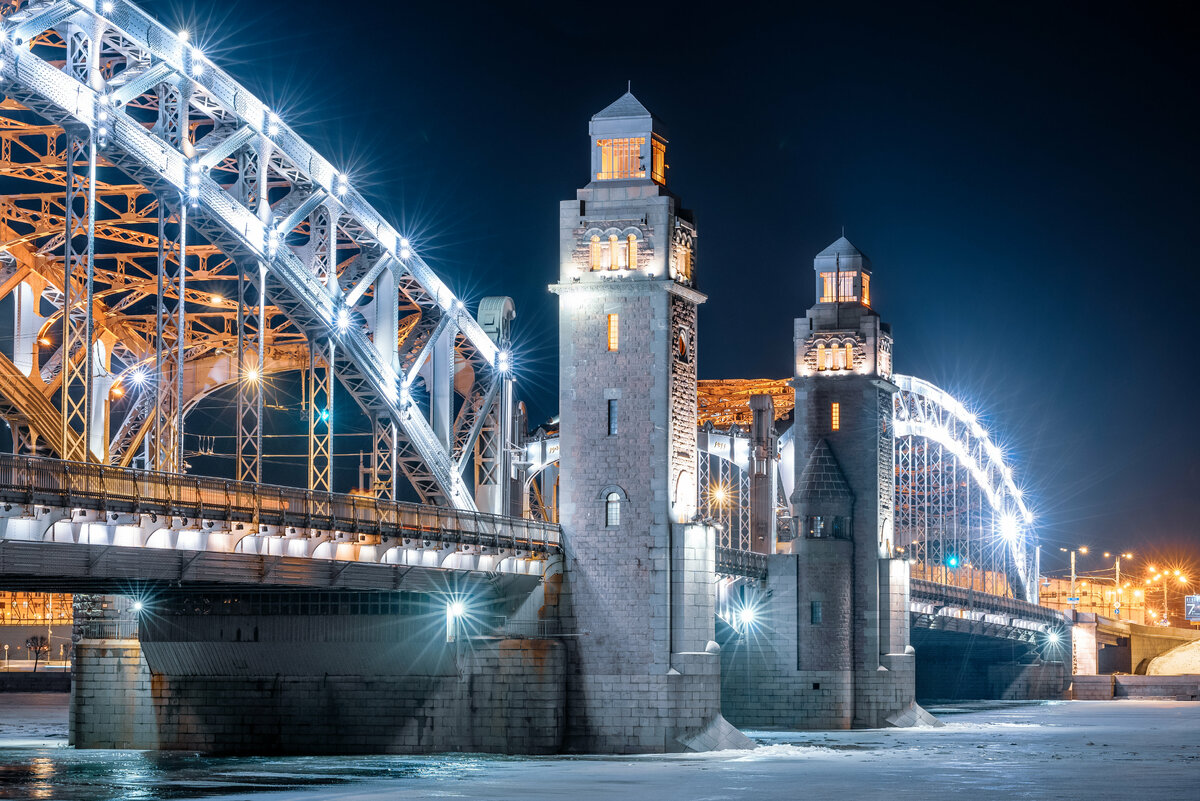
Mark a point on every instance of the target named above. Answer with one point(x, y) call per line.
point(736, 562)
point(103, 488)
point(942, 594)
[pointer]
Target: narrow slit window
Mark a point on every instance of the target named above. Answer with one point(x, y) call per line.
point(849, 356)
point(614, 256)
point(614, 332)
point(612, 417)
point(612, 510)
point(866, 281)
point(815, 616)
point(631, 247)
point(835, 415)
point(820, 357)
point(658, 161)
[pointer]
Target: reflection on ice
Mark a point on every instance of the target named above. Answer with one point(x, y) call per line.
point(989, 750)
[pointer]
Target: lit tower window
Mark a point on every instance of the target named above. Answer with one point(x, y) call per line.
point(614, 332)
point(595, 253)
point(621, 158)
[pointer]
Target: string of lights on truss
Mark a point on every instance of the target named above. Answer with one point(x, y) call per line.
point(946, 437)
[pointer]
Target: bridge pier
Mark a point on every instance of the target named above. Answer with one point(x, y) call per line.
point(788, 659)
point(263, 672)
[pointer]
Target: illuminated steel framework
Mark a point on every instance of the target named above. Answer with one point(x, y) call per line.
point(959, 517)
point(165, 235)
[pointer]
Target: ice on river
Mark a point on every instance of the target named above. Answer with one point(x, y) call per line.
point(1099, 750)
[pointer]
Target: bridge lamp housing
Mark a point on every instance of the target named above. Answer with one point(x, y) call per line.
point(504, 361)
point(107, 7)
point(1010, 529)
point(273, 124)
point(343, 320)
point(456, 610)
point(747, 617)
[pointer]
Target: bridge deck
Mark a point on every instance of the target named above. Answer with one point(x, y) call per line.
point(53, 483)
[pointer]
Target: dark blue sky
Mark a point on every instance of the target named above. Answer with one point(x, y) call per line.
point(1022, 175)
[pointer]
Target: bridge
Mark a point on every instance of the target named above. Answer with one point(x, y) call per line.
point(170, 245)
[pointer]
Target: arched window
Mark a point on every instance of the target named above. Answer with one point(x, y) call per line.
point(849, 356)
point(612, 509)
point(614, 260)
point(820, 356)
point(631, 246)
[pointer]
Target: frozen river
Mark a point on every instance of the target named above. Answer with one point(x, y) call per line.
point(1141, 750)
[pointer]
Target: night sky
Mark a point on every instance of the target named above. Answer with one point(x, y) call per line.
point(1023, 177)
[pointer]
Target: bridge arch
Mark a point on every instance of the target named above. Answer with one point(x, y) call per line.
point(181, 171)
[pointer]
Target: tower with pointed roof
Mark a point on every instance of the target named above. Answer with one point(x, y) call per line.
point(855, 592)
point(644, 671)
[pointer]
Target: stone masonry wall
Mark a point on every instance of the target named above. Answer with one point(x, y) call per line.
point(111, 702)
point(507, 697)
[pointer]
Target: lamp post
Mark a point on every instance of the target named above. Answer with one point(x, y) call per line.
point(1083, 550)
point(5, 656)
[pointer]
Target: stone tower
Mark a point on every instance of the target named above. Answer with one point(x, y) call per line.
point(852, 593)
point(639, 587)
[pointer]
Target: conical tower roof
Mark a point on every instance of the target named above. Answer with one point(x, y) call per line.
point(841, 253)
point(822, 488)
point(842, 247)
point(624, 107)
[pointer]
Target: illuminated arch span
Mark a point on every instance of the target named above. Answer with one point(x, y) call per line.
point(959, 514)
point(140, 100)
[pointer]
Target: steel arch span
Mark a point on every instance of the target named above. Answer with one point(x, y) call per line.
point(960, 517)
point(164, 233)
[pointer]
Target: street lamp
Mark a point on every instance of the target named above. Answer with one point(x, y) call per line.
point(1074, 599)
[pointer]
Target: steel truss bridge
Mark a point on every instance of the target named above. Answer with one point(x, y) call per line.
point(165, 235)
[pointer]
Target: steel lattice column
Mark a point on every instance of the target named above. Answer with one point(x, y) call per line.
point(249, 377)
point(320, 418)
point(251, 328)
point(77, 322)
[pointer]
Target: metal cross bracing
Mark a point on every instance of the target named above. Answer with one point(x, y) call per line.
point(164, 234)
point(959, 517)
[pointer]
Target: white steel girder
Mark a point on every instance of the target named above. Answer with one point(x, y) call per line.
point(165, 160)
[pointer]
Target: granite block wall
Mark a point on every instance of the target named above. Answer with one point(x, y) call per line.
point(507, 696)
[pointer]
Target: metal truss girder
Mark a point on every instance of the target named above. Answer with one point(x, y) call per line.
point(140, 83)
point(426, 350)
point(307, 206)
point(320, 416)
point(482, 407)
point(217, 152)
point(35, 19)
point(238, 231)
point(363, 284)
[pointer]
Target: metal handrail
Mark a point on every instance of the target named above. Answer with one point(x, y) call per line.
point(36, 480)
point(983, 601)
point(736, 562)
